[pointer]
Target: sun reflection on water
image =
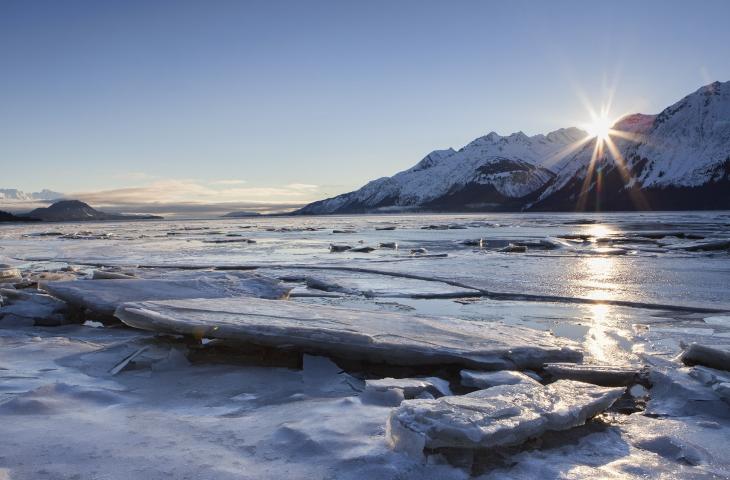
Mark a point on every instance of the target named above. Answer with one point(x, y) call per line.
point(601, 341)
point(598, 231)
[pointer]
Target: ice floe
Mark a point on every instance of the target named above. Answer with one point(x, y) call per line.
point(711, 356)
point(500, 416)
point(481, 380)
point(381, 337)
point(31, 308)
point(392, 391)
point(104, 296)
point(606, 375)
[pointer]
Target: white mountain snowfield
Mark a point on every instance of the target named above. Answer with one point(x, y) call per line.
point(685, 147)
point(14, 194)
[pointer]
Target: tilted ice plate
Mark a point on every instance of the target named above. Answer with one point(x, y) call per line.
point(393, 338)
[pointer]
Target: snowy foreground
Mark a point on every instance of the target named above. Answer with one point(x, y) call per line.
point(545, 346)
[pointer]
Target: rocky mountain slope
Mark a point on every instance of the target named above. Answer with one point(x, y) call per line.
point(678, 159)
point(491, 173)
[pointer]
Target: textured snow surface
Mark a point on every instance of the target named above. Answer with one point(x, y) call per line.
point(393, 337)
point(504, 415)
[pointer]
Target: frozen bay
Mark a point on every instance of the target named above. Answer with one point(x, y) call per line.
point(630, 290)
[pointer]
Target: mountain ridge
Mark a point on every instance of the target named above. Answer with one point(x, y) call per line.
point(683, 152)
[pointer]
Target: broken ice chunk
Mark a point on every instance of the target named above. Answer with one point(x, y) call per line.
point(713, 357)
point(720, 321)
point(605, 375)
point(708, 246)
point(473, 378)
point(512, 248)
point(476, 242)
point(500, 416)
point(392, 391)
point(8, 274)
point(35, 308)
point(718, 380)
point(363, 249)
point(107, 275)
point(322, 375)
point(317, 283)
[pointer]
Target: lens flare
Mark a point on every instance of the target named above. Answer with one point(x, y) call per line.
point(600, 128)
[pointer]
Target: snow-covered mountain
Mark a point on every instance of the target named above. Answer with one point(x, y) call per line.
point(491, 173)
point(678, 159)
point(19, 195)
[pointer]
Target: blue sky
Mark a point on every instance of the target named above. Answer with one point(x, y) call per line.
point(286, 102)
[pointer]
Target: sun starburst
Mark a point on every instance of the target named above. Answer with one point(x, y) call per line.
point(601, 129)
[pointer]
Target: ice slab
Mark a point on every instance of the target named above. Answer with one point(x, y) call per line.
point(720, 321)
point(606, 375)
point(104, 296)
point(501, 416)
point(713, 357)
point(390, 337)
point(718, 380)
point(682, 393)
point(31, 308)
point(472, 378)
point(8, 274)
point(392, 391)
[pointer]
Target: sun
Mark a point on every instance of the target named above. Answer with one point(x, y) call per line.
point(600, 127)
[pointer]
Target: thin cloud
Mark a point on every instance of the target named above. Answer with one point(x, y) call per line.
point(227, 182)
point(183, 194)
point(178, 197)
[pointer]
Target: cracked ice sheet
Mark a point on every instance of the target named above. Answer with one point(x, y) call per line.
point(679, 277)
point(104, 296)
point(501, 416)
point(389, 337)
point(378, 285)
point(606, 333)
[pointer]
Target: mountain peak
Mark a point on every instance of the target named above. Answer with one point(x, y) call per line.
point(635, 122)
point(566, 135)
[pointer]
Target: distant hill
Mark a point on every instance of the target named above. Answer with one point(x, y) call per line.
point(76, 211)
point(241, 214)
point(9, 217)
